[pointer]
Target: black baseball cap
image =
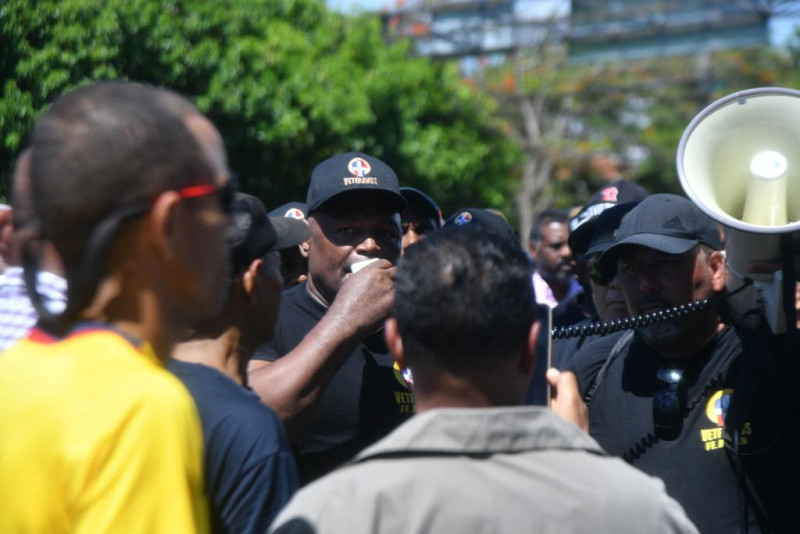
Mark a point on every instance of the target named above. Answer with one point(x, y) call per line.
point(291, 210)
point(616, 192)
point(252, 233)
point(353, 171)
point(604, 228)
point(418, 199)
point(668, 223)
point(482, 218)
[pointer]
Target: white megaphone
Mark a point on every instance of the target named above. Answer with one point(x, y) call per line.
point(739, 161)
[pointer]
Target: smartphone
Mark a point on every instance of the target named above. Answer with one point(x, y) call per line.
point(539, 391)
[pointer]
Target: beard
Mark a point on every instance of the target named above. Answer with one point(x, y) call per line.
point(559, 275)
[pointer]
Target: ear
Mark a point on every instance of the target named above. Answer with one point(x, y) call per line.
point(528, 356)
point(164, 230)
point(304, 247)
point(394, 342)
point(716, 260)
point(6, 236)
point(250, 278)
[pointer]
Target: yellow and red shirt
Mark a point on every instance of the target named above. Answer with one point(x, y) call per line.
point(96, 436)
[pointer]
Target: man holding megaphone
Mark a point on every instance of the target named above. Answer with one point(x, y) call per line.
point(703, 393)
point(652, 402)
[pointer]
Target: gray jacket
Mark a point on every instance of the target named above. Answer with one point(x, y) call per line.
point(518, 469)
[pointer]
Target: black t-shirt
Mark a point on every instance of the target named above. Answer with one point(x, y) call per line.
point(250, 473)
point(763, 407)
point(692, 462)
point(366, 399)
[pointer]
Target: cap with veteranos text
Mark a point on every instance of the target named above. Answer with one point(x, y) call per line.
point(353, 171)
point(252, 233)
point(668, 223)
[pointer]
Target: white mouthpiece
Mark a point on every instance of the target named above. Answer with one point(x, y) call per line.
point(357, 266)
point(765, 204)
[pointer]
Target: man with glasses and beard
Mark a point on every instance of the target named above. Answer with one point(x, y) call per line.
point(661, 398)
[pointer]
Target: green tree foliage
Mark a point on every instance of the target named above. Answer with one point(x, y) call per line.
point(287, 82)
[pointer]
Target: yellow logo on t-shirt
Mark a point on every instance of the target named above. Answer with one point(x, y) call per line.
point(716, 410)
point(405, 400)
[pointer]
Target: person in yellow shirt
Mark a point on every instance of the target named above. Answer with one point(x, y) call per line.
point(130, 184)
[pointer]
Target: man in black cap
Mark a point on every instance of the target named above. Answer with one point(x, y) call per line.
point(250, 472)
point(580, 305)
point(483, 218)
point(661, 399)
point(294, 259)
point(420, 218)
point(607, 301)
point(328, 373)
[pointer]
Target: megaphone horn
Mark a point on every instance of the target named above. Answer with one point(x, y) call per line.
point(739, 161)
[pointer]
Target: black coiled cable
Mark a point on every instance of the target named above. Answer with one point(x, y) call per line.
point(609, 327)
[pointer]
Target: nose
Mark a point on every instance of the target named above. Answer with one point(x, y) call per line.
point(410, 237)
point(368, 246)
point(614, 283)
point(648, 282)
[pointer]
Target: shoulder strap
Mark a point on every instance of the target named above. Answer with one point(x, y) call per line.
point(619, 346)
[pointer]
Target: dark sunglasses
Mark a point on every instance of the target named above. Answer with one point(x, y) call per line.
point(601, 276)
point(668, 403)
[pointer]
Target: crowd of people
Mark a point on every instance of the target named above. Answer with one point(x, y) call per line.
point(178, 356)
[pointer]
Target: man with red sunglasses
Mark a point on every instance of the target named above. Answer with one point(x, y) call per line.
point(128, 185)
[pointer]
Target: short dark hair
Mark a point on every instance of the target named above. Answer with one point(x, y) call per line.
point(106, 146)
point(464, 300)
point(546, 217)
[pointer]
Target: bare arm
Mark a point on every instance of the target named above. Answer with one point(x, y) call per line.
point(293, 384)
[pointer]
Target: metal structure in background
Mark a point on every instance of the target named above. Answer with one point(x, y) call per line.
point(640, 29)
point(460, 28)
point(595, 30)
